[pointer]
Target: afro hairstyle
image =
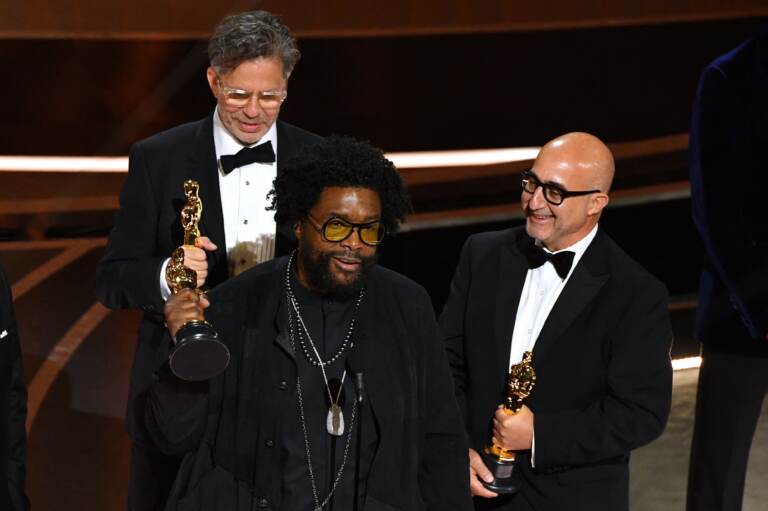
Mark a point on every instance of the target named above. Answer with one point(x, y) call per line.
point(337, 161)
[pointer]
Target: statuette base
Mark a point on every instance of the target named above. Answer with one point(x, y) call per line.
point(199, 354)
point(502, 471)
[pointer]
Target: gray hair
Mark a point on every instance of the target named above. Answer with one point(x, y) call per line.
point(251, 35)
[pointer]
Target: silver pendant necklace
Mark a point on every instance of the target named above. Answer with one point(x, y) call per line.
point(334, 421)
point(318, 504)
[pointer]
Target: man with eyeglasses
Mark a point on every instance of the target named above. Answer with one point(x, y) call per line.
point(598, 328)
point(338, 394)
point(234, 154)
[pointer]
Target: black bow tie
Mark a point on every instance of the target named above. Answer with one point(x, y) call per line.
point(262, 153)
point(537, 256)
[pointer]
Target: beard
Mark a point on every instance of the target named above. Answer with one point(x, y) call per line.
point(316, 266)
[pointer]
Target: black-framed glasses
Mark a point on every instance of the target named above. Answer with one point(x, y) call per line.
point(553, 193)
point(336, 230)
point(238, 98)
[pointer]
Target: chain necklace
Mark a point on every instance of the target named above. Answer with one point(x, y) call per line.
point(318, 504)
point(334, 422)
point(314, 358)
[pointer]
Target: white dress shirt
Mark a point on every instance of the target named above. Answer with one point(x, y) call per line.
point(249, 230)
point(540, 292)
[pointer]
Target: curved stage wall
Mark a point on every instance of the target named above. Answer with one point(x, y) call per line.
point(413, 80)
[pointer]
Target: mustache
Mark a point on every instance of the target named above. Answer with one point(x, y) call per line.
point(349, 255)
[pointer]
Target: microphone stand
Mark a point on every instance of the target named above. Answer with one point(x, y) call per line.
point(332, 471)
point(359, 439)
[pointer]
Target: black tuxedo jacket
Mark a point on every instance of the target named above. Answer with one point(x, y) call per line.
point(148, 228)
point(728, 162)
point(604, 377)
point(13, 408)
point(233, 430)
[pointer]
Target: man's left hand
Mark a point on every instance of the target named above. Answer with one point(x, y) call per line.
point(513, 432)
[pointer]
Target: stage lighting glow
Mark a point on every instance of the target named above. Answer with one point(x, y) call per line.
point(464, 158)
point(686, 363)
point(63, 164)
point(402, 160)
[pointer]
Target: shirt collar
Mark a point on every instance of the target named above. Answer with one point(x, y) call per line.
point(578, 248)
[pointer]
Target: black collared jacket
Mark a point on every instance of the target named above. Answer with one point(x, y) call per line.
point(230, 428)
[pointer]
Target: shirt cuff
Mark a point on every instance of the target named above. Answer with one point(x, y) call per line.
point(165, 291)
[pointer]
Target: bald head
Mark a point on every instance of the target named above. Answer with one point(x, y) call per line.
point(585, 155)
point(567, 189)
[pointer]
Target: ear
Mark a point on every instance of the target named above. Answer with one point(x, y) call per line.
point(297, 230)
point(212, 76)
point(597, 203)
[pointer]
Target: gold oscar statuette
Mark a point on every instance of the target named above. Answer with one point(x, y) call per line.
point(198, 353)
point(500, 461)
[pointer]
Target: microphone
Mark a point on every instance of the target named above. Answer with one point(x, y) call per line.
point(356, 365)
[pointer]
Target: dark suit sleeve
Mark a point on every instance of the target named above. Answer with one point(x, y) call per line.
point(444, 465)
point(636, 406)
point(721, 152)
point(128, 275)
point(452, 325)
point(176, 413)
point(15, 469)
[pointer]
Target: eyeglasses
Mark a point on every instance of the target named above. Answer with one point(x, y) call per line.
point(554, 194)
point(238, 98)
point(337, 229)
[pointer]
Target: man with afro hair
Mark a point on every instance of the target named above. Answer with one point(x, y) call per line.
point(338, 393)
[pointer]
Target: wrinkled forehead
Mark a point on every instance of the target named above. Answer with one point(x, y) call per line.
point(571, 171)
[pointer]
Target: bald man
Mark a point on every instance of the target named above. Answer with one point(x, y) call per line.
point(597, 325)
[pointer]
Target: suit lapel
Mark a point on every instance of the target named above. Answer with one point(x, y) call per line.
point(204, 168)
point(286, 145)
point(512, 272)
point(588, 277)
point(274, 302)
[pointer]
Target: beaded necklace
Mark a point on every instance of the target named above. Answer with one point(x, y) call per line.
point(293, 304)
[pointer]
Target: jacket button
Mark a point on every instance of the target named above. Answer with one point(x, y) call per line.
point(263, 503)
point(269, 443)
point(283, 385)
